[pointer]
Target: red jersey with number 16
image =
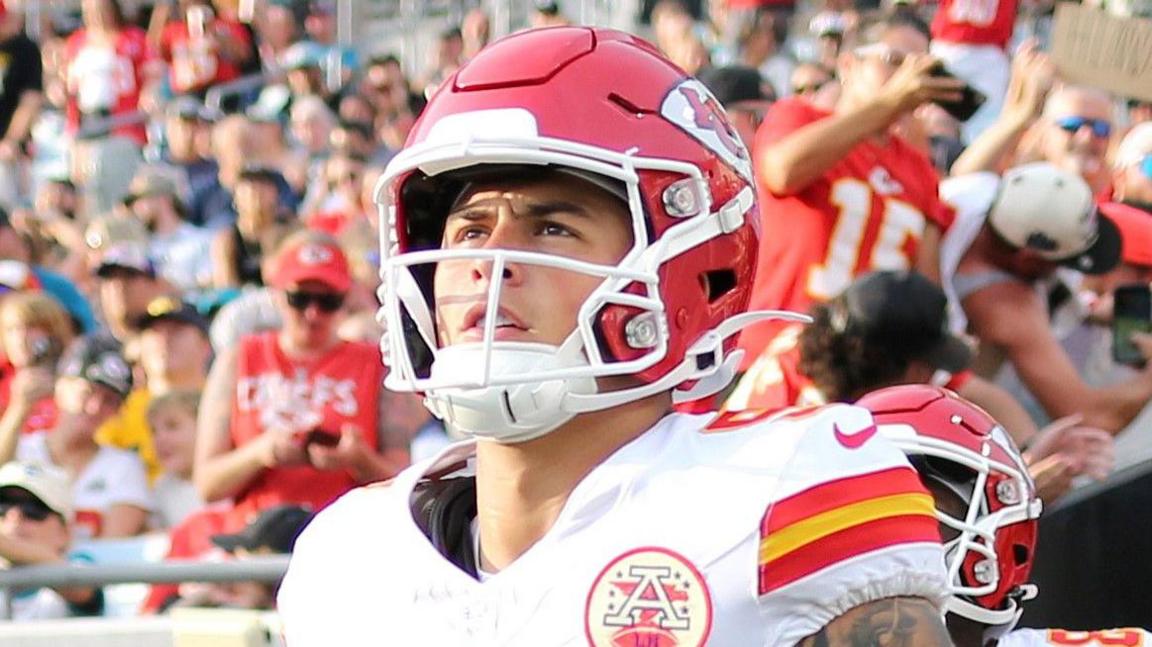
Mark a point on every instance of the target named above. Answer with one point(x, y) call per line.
point(868, 212)
point(343, 387)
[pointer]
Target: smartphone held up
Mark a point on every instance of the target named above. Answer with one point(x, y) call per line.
point(1131, 313)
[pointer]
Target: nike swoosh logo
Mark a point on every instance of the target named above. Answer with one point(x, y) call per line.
point(856, 440)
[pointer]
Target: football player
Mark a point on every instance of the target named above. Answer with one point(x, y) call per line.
point(567, 247)
point(987, 509)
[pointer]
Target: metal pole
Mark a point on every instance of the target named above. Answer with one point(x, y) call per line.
point(262, 569)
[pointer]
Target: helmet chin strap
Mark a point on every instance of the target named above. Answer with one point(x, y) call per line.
point(520, 412)
point(998, 623)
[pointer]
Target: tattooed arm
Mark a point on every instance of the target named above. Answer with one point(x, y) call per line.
point(891, 622)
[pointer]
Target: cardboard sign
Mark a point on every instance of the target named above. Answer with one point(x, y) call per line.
point(1093, 47)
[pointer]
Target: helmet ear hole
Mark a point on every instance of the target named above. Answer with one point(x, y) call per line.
point(718, 283)
point(1021, 554)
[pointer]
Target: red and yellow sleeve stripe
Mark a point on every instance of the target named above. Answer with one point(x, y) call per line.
point(841, 519)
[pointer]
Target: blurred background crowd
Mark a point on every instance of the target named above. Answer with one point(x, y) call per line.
point(188, 244)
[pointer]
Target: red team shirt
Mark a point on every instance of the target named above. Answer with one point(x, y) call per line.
point(868, 212)
point(110, 76)
point(975, 22)
point(195, 62)
point(341, 388)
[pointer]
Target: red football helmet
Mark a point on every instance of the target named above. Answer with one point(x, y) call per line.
point(609, 108)
point(991, 535)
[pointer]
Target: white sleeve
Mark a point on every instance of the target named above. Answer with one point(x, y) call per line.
point(333, 585)
point(853, 525)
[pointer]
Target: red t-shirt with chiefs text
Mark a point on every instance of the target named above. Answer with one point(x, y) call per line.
point(868, 212)
point(341, 388)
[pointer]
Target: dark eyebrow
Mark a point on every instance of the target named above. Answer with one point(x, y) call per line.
point(535, 210)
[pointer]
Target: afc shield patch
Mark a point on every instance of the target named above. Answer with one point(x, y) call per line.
point(648, 596)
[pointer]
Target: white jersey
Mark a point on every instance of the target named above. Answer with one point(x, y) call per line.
point(113, 476)
point(744, 529)
point(1129, 637)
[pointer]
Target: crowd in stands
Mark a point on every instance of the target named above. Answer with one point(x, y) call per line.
point(188, 250)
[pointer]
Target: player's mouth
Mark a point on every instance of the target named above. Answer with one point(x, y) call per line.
point(509, 327)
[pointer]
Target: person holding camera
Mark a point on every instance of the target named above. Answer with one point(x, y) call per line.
point(34, 329)
point(851, 193)
point(297, 415)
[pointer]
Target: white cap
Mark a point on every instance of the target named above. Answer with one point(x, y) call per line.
point(1135, 146)
point(1052, 212)
point(45, 482)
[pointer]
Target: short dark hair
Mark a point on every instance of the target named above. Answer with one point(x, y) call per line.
point(876, 25)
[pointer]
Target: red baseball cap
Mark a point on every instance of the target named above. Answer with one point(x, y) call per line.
point(312, 260)
point(1135, 225)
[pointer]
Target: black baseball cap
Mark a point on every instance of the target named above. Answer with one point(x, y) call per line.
point(97, 358)
point(903, 309)
point(734, 83)
point(166, 308)
point(275, 529)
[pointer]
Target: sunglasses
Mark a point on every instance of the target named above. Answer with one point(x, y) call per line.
point(325, 301)
point(882, 52)
point(30, 510)
point(811, 88)
point(1100, 127)
point(1146, 166)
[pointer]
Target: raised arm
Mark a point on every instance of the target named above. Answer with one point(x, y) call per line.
point(1032, 75)
point(1011, 317)
point(791, 163)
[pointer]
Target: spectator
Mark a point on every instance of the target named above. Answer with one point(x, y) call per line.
point(1090, 345)
point(201, 48)
point(172, 419)
point(237, 250)
point(385, 86)
point(546, 13)
point(174, 355)
point(109, 65)
point(760, 45)
point(272, 532)
point(180, 250)
point(34, 330)
point(303, 64)
point(36, 529)
point(338, 62)
point(816, 83)
point(184, 125)
point(109, 487)
point(476, 30)
point(1132, 174)
point(1074, 133)
point(311, 125)
point(278, 26)
point(853, 195)
point(14, 246)
point(297, 415)
point(21, 98)
point(1032, 221)
point(127, 282)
